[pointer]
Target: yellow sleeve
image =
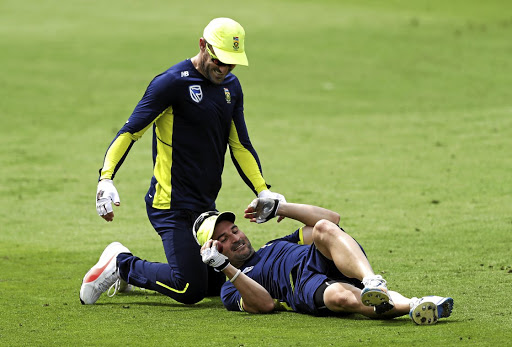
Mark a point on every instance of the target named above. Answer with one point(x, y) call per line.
point(117, 151)
point(246, 162)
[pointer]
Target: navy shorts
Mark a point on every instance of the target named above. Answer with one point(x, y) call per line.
point(310, 282)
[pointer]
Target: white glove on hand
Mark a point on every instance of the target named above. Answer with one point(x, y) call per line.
point(264, 209)
point(271, 195)
point(105, 195)
point(213, 258)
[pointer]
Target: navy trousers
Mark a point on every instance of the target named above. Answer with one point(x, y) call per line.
point(184, 277)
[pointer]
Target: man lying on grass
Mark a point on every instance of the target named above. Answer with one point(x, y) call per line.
point(318, 270)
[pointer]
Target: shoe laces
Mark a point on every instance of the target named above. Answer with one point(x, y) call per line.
point(115, 286)
point(374, 281)
point(108, 282)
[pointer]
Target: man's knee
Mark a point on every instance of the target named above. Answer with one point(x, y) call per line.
point(323, 228)
point(194, 294)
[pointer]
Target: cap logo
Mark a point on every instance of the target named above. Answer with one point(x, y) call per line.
point(236, 43)
point(196, 93)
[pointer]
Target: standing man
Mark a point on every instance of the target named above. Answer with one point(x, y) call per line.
point(196, 110)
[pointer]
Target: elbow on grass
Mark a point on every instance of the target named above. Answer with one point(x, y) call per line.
point(260, 308)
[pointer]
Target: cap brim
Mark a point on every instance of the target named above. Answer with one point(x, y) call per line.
point(239, 58)
point(229, 216)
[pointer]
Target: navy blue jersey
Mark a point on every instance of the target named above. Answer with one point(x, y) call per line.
point(274, 266)
point(290, 272)
point(193, 123)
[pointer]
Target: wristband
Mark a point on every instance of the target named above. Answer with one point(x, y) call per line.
point(222, 266)
point(235, 276)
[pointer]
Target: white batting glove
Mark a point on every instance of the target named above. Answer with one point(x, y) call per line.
point(271, 195)
point(212, 257)
point(105, 195)
point(264, 209)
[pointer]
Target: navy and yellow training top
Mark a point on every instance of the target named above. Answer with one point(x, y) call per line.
point(193, 122)
point(272, 267)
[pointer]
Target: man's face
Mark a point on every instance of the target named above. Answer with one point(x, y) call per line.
point(212, 67)
point(236, 246)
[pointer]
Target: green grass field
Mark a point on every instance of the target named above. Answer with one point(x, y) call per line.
point(396, 114)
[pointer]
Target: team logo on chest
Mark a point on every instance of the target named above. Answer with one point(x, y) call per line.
point(196, 93)
point(228, 95)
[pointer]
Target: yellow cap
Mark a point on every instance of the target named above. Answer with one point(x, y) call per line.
point(204, 225)
point(227, 37)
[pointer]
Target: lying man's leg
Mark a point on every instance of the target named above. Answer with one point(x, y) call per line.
point(350, 260)
point(344, 297)
point(341, 248)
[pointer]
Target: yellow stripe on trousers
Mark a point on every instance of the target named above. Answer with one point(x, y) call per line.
point(172, 289)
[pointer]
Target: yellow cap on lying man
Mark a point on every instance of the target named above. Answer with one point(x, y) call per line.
point(205, 224)
point(228, 39)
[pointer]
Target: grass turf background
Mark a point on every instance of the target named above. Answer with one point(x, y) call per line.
point(397, 114)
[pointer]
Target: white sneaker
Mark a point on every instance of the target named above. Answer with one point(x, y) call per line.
point(102, 275)
point(375, 293)
point(429, 309)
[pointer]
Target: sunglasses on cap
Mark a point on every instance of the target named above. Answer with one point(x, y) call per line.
point(214, 58)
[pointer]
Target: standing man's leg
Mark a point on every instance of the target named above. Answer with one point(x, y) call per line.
point(185, 277)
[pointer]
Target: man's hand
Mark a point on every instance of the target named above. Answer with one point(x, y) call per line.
point(271, 195)
point(262, 209)
point(105, 195)
point(212, 257)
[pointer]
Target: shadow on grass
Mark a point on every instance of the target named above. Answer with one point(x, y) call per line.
point(199, 306)
point(156, 299)
point(404, 320)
